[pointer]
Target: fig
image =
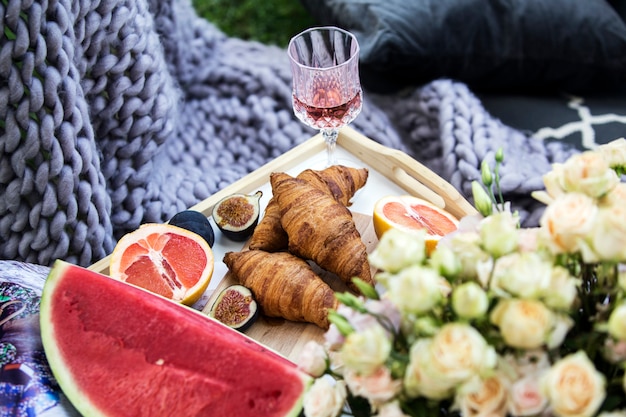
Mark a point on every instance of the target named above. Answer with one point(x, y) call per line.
point(196, 222)
point(237, 215)
point(236, 307)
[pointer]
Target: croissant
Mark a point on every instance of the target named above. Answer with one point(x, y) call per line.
point(320, 229)
point(339, 181)
point(283, 285)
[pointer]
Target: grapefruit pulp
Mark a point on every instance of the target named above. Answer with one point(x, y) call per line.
point(168, 260)
point(118, 350)
point(411, 214)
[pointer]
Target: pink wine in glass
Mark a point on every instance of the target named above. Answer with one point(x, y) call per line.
point(327, 117)
point(326, 87)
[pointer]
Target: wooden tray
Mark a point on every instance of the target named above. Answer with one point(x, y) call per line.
point(392, 172)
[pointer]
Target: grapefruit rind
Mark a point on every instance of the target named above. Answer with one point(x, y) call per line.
point(382, 224)
point(147, 233)
point(68, 283)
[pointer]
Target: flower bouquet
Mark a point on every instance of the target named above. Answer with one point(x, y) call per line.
point(499, 320)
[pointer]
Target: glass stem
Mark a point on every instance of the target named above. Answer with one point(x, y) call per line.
point(330, 137)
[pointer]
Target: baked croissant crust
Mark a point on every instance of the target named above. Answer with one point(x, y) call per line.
point(320, 229)
point(339, 181)
point(283, 285)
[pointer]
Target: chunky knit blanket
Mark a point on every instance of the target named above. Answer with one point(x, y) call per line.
point(115, 113)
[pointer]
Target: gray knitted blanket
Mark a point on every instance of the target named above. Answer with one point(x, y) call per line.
point(115, 113)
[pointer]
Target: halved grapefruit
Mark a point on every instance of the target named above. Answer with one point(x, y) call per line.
point(165, 259)
point(412, 214)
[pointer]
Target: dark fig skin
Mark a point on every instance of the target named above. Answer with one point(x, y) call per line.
point(236, 307)
point(237, 215)
point(196, 222)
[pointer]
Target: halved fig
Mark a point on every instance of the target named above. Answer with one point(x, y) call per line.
point(196, 222)
point(237, 215)
point(236, 307)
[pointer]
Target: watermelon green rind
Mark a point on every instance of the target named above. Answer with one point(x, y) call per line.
point(116, 349)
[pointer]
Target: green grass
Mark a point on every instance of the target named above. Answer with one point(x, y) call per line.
point(272, 22)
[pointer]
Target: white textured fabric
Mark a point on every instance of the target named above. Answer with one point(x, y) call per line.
point(115, 113)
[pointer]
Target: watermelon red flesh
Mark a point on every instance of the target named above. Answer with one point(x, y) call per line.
point(118, 350)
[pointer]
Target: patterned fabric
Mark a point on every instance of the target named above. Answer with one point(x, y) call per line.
point(115, 113)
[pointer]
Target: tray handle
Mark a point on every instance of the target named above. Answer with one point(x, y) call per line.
point(410, 174)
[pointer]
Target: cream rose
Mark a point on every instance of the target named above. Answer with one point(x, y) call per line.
point(324, 399)
point(418, 381)
point(553, 181)
point(522, 274)
point(483, 397)
point(568, 220)
point(467, 249)
point(397, 250)
point(457, 353)
point(524, 324)
point(365, 351)
point(378, 387)
point(526, 398)
point(313, 359)
point(608, 238)
point(562, 290)
point(574, 387)
point(589, 173)
point(415, 289)
point(499, 233)
point(469, 300)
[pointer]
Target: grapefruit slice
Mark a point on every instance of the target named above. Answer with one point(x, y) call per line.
point(118, 350)
point(412, 214)
point(168, 260)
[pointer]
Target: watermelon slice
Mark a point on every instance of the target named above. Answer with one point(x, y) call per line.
point(118, 350)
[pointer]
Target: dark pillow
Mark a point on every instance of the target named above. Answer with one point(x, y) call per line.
point(571, 45)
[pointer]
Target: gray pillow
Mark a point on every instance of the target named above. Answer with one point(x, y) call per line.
point(572, 45)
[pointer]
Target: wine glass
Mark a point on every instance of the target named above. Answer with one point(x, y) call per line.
point(326, 88)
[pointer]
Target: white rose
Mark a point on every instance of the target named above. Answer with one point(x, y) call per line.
point(499, 233)
point(522, 274)
point(574, 387)
point(414, 289)
point(378, 387)
point(526, 398)
point(568, 220)
point(313, 359)
point(483, 397)
point(458, 352)
point(398, 249)
point(524, 324)
point(469, 300)
point(391, 409)
point(589, 173)
point(562, 290)
point(608, 239)
point(366, 350)
point(324, 399)
point(614, 152)
point(614, 351)
point(617, 322)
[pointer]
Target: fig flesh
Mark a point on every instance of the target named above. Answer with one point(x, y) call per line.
point(236, 307)
point(196, 222)
point(237, 215)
